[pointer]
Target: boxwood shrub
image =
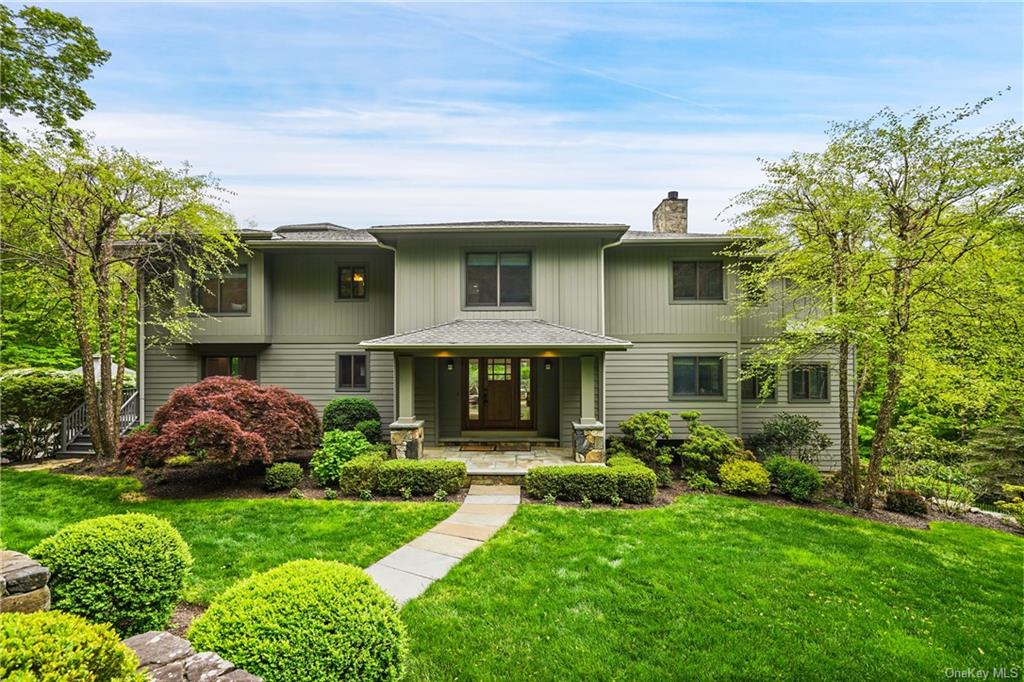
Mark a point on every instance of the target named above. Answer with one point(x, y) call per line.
point(360, 473)
point(627, 478)
point(421, 476)
point(283, 475)
point(744, 477)
point(126, 569)
point(306, 620)
point(794, 479)
point(50, 645)
point(343, 414)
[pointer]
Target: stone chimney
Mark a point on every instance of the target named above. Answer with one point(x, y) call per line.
point(670, 216)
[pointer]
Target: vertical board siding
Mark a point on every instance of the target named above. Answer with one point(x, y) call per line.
point(304, 296)
point(449, 399)
point(425, 398)
point(429, 280)
point(639, 380)
point(569, 398)
point(638, 294)
point(213, 328)
point(755, 413)
point(167, 369)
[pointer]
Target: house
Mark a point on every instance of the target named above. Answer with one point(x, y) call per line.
point(541, 331)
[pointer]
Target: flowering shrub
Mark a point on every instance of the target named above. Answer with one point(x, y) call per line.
point(226, 420)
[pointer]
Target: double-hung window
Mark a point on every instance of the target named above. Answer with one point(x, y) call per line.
point(351, 282)
point(697, 281)
point(499, 279)
point(697, 376)
point(228, 295)
point(808, 382)
point(353, 374)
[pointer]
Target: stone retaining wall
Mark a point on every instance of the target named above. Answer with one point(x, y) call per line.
point(169, 658)
point(23, 584)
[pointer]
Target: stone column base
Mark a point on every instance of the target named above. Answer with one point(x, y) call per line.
point(407, 439)
point(588, 441)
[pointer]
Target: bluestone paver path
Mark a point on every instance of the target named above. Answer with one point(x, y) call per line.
point(408, 571)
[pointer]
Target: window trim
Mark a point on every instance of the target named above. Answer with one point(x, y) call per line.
point(695, 301)
point(497, 251)
point(828, 383)
point(337, 282)
point(773, 398)
point(707, 397)
point(248, 296)
point(338, 388)
point(228, 354)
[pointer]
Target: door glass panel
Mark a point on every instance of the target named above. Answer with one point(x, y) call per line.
point(525, 398)
point(473, 388)
point(499, 369)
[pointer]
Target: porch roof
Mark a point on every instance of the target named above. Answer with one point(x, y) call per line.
point(466, 334)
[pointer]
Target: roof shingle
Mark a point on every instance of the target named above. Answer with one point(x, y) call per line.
point(497, 334)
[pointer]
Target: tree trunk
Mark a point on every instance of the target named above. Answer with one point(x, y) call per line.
point(847, 465)
point(106, 443)
point(81, 325)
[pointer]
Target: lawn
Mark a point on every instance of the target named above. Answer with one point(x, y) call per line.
point(229, 539)
point(724, 588)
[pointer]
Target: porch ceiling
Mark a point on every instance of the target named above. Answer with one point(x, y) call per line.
point(494, 334)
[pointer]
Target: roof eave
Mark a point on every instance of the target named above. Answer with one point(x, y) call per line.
point(369, 345)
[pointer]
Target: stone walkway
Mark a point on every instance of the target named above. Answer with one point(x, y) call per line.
point(408, 571)
point(508, 462)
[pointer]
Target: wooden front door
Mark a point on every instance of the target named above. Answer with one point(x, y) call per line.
point(498, 393)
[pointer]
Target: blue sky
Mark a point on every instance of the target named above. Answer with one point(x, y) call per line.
point(370, 114)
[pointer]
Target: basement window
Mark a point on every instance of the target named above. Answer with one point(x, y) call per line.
point(239, 366)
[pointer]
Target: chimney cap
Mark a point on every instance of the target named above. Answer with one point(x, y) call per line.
point(673, 194)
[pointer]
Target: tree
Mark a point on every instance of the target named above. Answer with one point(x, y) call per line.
point(89, 224)
point(45, 56)
point(881, 241)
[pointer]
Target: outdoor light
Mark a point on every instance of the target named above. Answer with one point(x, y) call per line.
point(547, 364)
point(451, 364)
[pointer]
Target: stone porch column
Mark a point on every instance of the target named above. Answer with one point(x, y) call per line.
point(406, 430)
point(588, 433)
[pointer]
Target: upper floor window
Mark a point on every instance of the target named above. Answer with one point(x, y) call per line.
point(351, 282)
point(499, 279)
point(240, 366)
point(227, 295)
point(694, 375)
point(755, 387)
point(697, 281)
point(808, 382)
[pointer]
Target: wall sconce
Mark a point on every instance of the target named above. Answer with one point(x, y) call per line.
point(450, 365)
point(547, 364)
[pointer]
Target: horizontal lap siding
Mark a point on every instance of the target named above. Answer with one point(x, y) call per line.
point(755, 414)
point(639, 379)
point(309, 370)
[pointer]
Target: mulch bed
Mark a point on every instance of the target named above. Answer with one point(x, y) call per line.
point(183, 616)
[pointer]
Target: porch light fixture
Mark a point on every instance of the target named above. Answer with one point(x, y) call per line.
point(450, 364)
point(547, 365)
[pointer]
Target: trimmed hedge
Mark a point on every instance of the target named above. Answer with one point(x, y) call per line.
point(50, 645)
point(744, 477)
point(625, 477)
point(360, 473)
point(306, 620)
point(421, 476)
point(283, 475)
point(794, 479)
point(126, 569)
point(343, 414)
point(35, 401)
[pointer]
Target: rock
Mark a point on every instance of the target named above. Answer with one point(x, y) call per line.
point(206, 667)
point(27, 602)
point(169, 658)
point(159, 648)
point(21, 573)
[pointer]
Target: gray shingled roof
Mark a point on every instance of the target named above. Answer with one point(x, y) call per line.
point(647, 235)
point(500, 225)
point(497, 334)
point(320, 233)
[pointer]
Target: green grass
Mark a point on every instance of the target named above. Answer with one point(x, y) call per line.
point(229, 539)
point(721, 588)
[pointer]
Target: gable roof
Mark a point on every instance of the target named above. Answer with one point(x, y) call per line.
point(497, 334)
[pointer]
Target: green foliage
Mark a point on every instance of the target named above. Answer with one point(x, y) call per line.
point(440, 495)
point(707, 448)
point(549, 499)
point(406, 494)
point(587, 503)
point(794, 479)
point(616, 501)
point(46, 56)
point(790, 435)
point(369, 428)
point(283, 475)
point(632, 482)
point(343, 414)
point(1015, 506)
point(906, 502)
point(330, 494)
point(359, 474)
point(127, 569)
point(336, 448)
point(422, 476)
point(642, 434)
point(306, 621)
point(53, 646)
point(698, 480)
point(950, 497)
point(179, 461)
point(744, 477)
point(365, 495)
point(915, 445)
point(997, 456)
point(296, 494)
point(34, 403)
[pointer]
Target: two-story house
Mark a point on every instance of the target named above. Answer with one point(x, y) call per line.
point(496, 330)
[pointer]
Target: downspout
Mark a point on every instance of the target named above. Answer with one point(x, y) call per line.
point(394, 320)
point(600, 288)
